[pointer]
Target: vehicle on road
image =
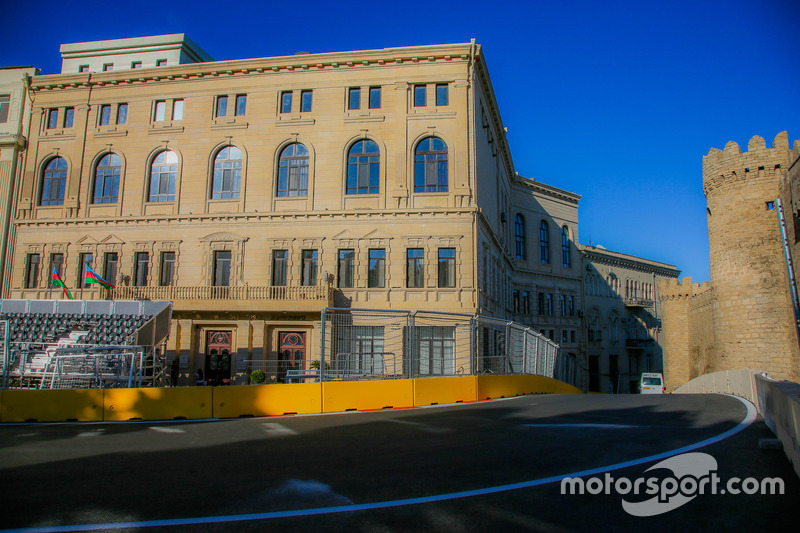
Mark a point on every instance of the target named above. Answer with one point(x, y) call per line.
point(651, 383)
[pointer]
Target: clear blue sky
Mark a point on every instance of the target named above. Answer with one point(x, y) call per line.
point(616, 101)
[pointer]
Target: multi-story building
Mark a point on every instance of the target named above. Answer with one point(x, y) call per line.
point(14, 122)
point(254, 193)
point(623, 318)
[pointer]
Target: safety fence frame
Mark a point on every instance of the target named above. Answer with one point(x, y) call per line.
point(431, 343)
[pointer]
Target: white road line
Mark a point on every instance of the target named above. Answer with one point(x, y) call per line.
point(167, 430)
point(274, 429)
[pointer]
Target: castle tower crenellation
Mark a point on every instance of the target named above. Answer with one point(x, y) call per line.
point(752, 313)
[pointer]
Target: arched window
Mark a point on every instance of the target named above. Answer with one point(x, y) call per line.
point(430, 166)
point(163, 177)
point(54, 182)
point(363, 168)
point(544, 243)
point(293, 171)
point(519, 237)
point(566, 258)
point(106, 180)
point(227, 174)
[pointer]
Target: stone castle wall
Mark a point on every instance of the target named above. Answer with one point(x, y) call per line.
point(744, 318)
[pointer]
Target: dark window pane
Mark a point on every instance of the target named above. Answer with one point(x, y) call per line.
point(415, 264)
point(354, 98)
point(141, 268)
point(309, 268)
point(419, 96)
point(441, 94)
point(222, 268)
point(280, 262)
point(377, 269)
point(305, 101)
point(110, 267)
point(69, 117)
point(447, 267)
point(52, 119)
point(374, 97)
point(346, 268)
point(167, 268)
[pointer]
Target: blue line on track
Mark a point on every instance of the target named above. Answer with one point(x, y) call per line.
point(749, 418)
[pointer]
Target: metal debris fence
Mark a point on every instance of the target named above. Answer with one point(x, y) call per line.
point(383, 344)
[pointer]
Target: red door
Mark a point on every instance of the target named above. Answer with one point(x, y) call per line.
point(218, 357)
point(292, 352)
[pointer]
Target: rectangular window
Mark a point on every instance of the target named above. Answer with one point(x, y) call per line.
point(160, 111)
point(571, 305)
point(516, 300)
point(436, 346)
point(305, 101)
point(286, 102)
point(85, 260)
point(374, 97)
point(241, 105)
point(222, 268)
point(447, 267)
point(358, 349)
point(105, 115)
point(415, 267)
point(69, 117)
point(419, 96)
point(108, 67)
point(167, 269)
point(280, 261)
point(354, 98)
point(136, 64)
point(52, 119)
point(564, 310)
point(57, 265)
point(540, 301)
point(441, 94)
point(110, 267)
point(377, 268)
point(526, 303)
point(122, 114)
point(32, 271)
point(5, 102)
point(346, 268)
point(177, 110)
point(548, 303)
point(140, 269)
point(309, 268)
point(222, 106)
point(83, 68)
point(161, 62)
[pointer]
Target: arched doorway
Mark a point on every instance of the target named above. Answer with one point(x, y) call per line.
point(291, 352)
point(218, 357)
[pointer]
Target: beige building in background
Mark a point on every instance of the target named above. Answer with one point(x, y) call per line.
point(745, 317)
point(623, 322)
point(14, 124)
point(254, 193)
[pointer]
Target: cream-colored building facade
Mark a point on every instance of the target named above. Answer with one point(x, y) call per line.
point(623, 318)
point(14, 124)
point(254, 193)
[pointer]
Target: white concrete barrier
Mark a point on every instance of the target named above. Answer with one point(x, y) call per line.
point(778, 402)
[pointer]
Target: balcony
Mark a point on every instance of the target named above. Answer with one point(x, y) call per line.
point(638, 302)
point(639, 344)
point(292, 299)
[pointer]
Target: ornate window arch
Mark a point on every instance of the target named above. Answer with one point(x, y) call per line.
point(363, 168)
point(226, 182)
point(54, 182)
point(544, 242)
point(520, 250)
point(293, 170)
point(430, 165)
point(107, 173)
point(163, 177)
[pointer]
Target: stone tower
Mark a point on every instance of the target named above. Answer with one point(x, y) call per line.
point(752, 313)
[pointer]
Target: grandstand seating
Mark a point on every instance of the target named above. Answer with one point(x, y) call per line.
point(100, 329)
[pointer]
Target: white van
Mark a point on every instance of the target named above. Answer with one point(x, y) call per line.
point(651, 383)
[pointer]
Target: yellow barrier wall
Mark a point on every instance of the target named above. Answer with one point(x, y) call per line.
point(365, 395)
point(267, 400)
point(429, 391)
point(493, 387)
point(157, 404)
point(85, 405)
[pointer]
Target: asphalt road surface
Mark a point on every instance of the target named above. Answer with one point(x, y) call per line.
point(488, 466)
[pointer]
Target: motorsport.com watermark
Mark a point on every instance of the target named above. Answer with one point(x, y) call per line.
point(693, 474)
